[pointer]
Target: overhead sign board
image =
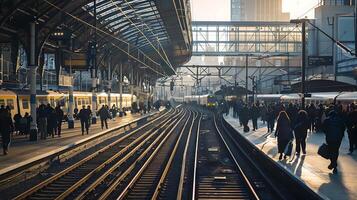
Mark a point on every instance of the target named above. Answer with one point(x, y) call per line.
point(77, 61)
point(320, 60)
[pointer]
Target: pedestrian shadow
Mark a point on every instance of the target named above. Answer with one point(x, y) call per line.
point(297, 164)
point(334, 188)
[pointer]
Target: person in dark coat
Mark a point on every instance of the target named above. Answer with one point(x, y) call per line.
point(311, 111)
point(292, 112)
point(59, 118)
point(255, 112)
point(17, 120)
point(283, 132)
point(270, 119)
point(300, 130)
point(75, 115)
point(244, 117)
point(84, 116)
point(104, 115)
point(352, 127)
point(6, 129)
point(42, 121)
point(334, 128)
point(28, 119)
point(51, 120)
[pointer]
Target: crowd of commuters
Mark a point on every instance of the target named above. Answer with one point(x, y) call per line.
point(292, 122)
point(50, 120)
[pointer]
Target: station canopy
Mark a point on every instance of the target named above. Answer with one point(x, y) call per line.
point(155, 34)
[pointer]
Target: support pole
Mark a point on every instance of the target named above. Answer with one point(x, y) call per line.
point(197, 86)
point(246, 79)
point(120, 89)
point(303, 65)
point(109, 87)
point(94, 69)
point(33, 68)
point(70, 91)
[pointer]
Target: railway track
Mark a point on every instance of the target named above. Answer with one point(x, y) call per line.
point(217, 175)
point(67, 181)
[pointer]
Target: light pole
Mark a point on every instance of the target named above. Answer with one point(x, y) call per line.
point(303, 55)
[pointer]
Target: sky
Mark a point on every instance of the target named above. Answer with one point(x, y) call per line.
point(219, 10)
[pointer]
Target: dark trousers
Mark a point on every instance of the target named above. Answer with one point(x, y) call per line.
point(59, 127)
point(352, 138)
point(334, 148)
point(255, 123)
point(270, 125)
point(5, 136)
point(300, 144)
point(85, 124)
point(104, 121)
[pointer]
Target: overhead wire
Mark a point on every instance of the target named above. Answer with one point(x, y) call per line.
point(128, 18)
point(112, 36)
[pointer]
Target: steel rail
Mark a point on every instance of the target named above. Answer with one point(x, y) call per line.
point(48, 181)
point(104, 164)
point(147, 162)
point(246, 180)
point(173, 153)
point(195, 162)
point(132, 166)
point(183, 166)
point(116, 165)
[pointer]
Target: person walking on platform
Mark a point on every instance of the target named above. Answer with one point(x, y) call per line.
point(283, 132)
point(104, 115)
point(311, 110)
point(245, 118)
point(255, 112)
point(263, 113)
point(300, 130)
point(42, 121)
point(334, 128)
point(28, 119)
point(84, 116)
point(292, 112)
point(352, 127)
point(59, 118)
point(270, 118)
point(75, 111)
point(17, 120)
point(51, 120)
point(6, 128)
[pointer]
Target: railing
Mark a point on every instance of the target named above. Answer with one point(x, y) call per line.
point(336, 2)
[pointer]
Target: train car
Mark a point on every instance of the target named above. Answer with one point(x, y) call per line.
point(19, 101)
point(203, 100)
point(347, 98)
point(316, 98)
point(268, 98)
point(9, 98)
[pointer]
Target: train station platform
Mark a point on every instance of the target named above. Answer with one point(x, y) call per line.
point(23, 151)
point(310, 168)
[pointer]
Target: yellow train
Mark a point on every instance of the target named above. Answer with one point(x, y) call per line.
point(19, 101)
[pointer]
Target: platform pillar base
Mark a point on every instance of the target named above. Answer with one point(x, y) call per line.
point(33, 134)
point(70, 124)
point(94, 120)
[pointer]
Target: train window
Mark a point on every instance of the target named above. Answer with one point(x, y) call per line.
point(10, 103)
point(2, 102)
point(25, 104)
point(79, 102)
point(83, 101)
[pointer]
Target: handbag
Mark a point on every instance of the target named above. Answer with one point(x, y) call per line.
point(289, 148)
point(323, 151)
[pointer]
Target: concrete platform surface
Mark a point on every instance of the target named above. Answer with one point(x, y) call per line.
point(22, 150)
point(310, 168)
